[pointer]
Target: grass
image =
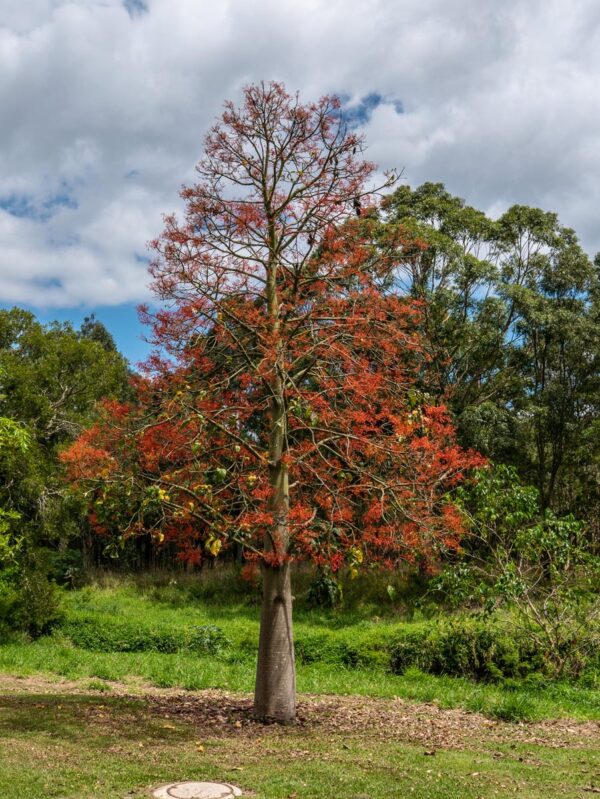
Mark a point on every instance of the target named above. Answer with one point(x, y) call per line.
point(182, 670)
point(84, 747)
point(182, 604)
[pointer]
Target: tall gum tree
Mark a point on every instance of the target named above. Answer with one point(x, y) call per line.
point(281, 414)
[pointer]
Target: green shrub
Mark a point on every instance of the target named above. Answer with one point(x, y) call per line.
point(105, 636)
point(324, 591)
point(312, 648)
point(538, 566)
point(208, 639)
point(329, 648)
point(363, 656)
point(66, 567)
point(29, 603)
point(119, 636)
point(7, 615)
point(474, 648)
point(37, 609)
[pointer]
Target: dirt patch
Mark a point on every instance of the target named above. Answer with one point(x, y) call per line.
point(216, 714)
point(384, 719)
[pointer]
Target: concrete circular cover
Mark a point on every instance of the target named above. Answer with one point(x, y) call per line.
point(197, 790)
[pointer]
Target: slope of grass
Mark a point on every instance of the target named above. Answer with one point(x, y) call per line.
point(330, 645)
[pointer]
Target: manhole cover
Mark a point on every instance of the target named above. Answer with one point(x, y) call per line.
point(197, 790)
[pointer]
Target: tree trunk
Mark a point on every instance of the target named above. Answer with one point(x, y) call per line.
point(275, 694)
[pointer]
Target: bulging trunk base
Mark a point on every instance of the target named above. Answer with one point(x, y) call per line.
point(275, 694)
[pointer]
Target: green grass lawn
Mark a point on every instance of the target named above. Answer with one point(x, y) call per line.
point(122, 724)
point(99, 747)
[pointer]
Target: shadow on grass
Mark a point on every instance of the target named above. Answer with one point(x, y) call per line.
point(85, 717)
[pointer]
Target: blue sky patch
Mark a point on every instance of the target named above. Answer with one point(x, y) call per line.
point(136, 8)
point(18, 205)
point(359, 113)
point(60, 200)
point(24, 206)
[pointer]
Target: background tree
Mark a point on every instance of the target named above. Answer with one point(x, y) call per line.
point(549, 285)
point(51, 378)
point(511, 322)
point(464, 323)
point(281, 414)
point(14, 448)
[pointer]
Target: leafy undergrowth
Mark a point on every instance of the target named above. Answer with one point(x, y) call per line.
point(78, 745)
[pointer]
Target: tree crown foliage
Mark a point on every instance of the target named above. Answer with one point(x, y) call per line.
point(286, 416)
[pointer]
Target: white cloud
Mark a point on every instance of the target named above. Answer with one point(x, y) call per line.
point(104, 106)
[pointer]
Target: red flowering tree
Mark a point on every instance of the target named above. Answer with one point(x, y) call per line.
point(280, 413)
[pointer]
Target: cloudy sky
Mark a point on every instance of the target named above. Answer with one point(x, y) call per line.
point(104, 104)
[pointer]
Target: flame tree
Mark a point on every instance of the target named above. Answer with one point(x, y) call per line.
point(280, 413)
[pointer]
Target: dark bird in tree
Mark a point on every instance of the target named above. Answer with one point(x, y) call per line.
point(357, 206)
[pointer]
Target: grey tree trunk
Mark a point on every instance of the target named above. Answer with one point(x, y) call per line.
point(275, 691)
point(275, 694)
